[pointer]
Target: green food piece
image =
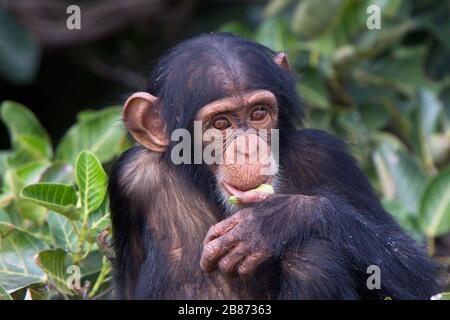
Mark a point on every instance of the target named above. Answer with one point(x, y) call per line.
point(264, 188)
point(267, 188)
point(233, 200)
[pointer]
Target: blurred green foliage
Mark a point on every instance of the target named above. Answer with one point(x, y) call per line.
point(387, 91)
point(19, 52)
point(54, 211)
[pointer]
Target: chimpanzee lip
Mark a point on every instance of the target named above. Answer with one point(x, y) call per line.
point(234, 191)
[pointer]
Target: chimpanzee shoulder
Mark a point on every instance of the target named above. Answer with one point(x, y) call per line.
point(320, 160)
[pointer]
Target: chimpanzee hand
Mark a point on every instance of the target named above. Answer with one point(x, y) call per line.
point(235, 245)
point(240, 243)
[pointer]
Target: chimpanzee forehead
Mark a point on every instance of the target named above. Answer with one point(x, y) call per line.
point(210, 68)
point(215, 83)
point(236, 102)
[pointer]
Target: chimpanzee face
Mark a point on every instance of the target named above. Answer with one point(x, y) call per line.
point(239, 128)
point(242, 127)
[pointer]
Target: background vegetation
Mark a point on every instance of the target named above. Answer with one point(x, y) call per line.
point(386, 91)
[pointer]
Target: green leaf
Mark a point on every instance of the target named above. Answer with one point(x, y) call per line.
point(375, 117)
point(403, 216)
point(428, 114)
point(441, 296)
point(320, 119)
point(430, 109)
point(17, 251)
point(275, 6)
point(439, 148)
point(62, 232)
point(3, 157)
point(16, 179)
point(4, 216)
point(4, 295)
point(376, 41)
point(53, 263)
point(236, 28)
point(402, 68)
point(37, 147)
point(32, 171)
point(312, 18)
point(274, 33)
point(19, 51)
point(58, 172)
point(401, 176)
point(18, 158)
point(312, 88)
point(99, 220)
point(5, 199)
point(435, 19)
point(37, 292)
point(91, 180)
point(100, 134)
point(91, 266)
point(313, 97)
point(11, 215)
point(57, 197)
point(22, 122)
point(86, 114)
point(435, 205)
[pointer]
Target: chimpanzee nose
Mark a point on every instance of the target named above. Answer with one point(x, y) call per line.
point(247, 145)
point(249, 149)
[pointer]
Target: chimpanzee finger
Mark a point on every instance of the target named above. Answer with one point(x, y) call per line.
point(229, 262)
point(219, 229)
point(250, 197)
point(215, 249)
point(250, 263)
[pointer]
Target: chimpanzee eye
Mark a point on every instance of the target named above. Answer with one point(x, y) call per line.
point(221, 123)
point(259, 113)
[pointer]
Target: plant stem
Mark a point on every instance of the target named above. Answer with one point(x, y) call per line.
point(104, 271)
point(314, 57)
point(78, 256)
point(431, 247)
point(75, 227)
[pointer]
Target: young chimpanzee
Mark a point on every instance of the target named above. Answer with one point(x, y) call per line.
point(315, 238)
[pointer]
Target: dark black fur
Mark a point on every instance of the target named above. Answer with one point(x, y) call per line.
point(328, 243)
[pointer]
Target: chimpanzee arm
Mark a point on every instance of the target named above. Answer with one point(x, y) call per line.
point(353, 244)
point(159, 222)
point(323, 163)
point(324, 247)
point(319, 270)
point(296, 230)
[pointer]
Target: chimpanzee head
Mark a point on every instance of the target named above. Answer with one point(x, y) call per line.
point(235, 88)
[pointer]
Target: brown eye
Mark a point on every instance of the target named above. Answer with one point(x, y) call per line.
point(221, 123)
point(259, 113)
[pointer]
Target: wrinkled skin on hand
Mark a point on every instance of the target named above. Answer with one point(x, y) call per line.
point(239, 244)
point(235, 245)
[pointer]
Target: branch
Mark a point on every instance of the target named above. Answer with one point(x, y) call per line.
point(46, 19)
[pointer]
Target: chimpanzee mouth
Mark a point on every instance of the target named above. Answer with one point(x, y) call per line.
point(234, 191)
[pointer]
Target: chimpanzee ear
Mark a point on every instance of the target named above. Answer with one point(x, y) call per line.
point(142, 116)
point(281, 59)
